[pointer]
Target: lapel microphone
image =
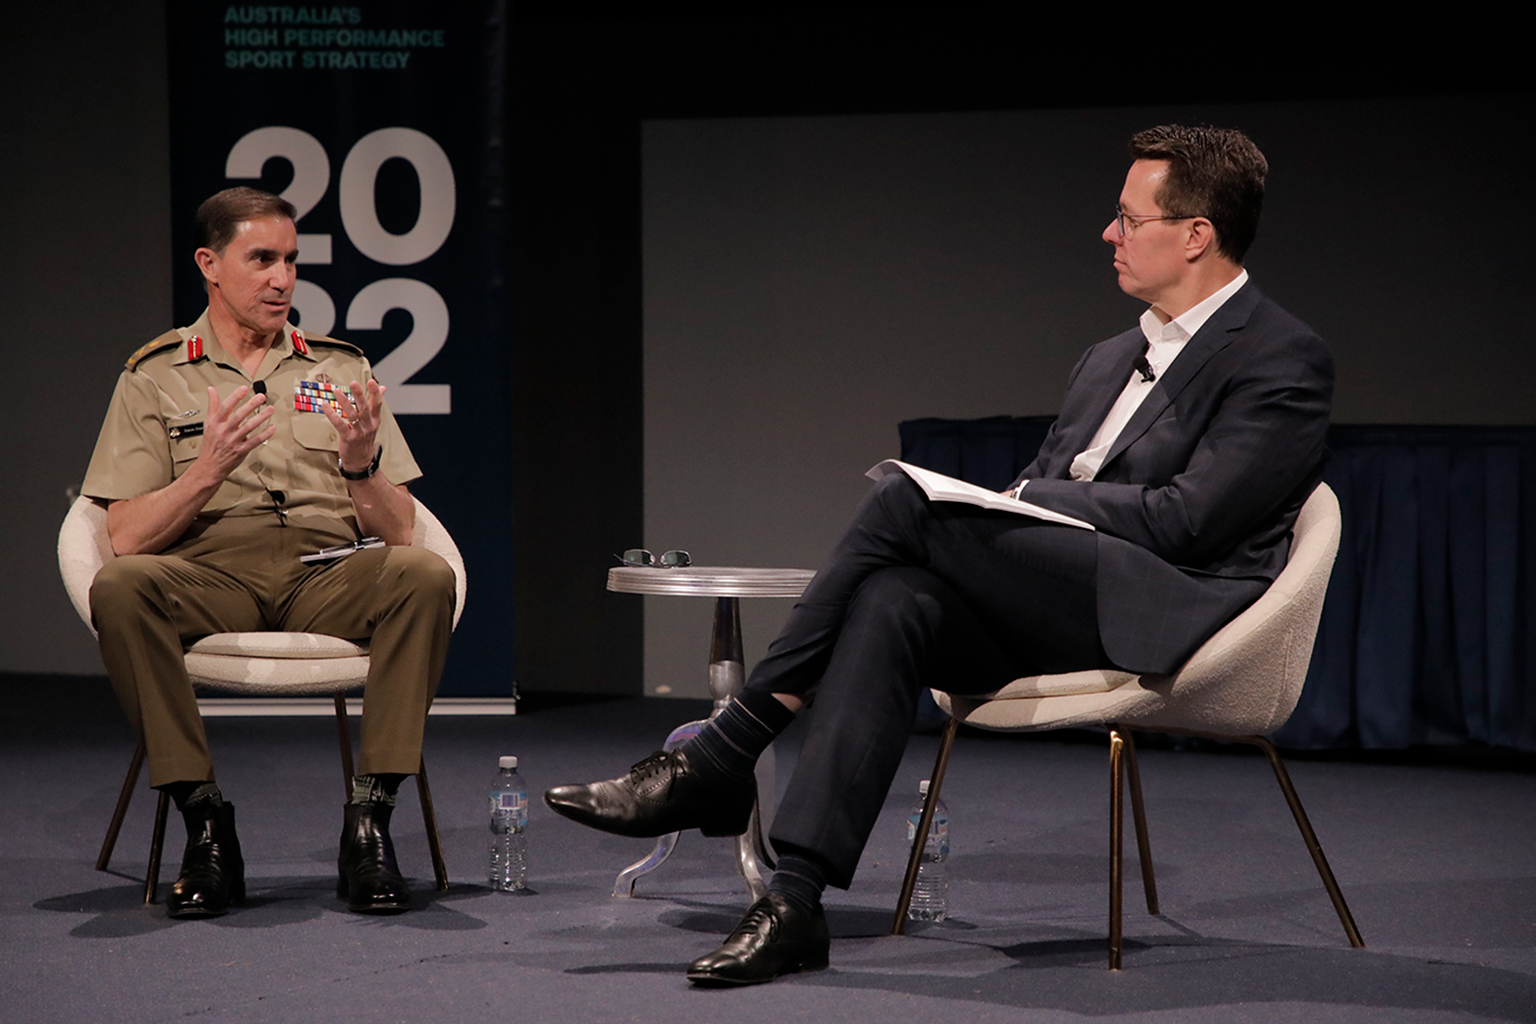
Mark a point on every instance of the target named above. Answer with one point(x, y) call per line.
point(260, 387)
point(1144, 368)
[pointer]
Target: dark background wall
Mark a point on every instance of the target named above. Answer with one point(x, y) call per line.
point(85, 277)
point(812, 281)
point(86, 261)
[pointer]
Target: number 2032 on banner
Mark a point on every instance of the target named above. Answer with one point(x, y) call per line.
point(360, 219)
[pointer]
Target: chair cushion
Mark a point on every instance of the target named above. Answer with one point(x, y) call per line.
point(1065, 684)
point(277, 645)
point(276, 677)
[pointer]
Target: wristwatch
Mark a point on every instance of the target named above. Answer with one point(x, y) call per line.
point(373, 467)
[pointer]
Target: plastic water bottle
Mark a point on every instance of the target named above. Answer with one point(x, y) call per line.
point(509, 828)
point(930, 898)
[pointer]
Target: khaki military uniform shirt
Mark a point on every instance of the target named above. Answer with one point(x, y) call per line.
point(153, 429)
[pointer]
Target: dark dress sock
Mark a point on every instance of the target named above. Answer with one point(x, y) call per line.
point(800, 880)
point(731, 742)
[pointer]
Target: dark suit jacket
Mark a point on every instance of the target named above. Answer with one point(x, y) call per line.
point(1196, 499)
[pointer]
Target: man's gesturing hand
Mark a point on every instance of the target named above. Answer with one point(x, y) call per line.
point(384, 509)
point(150, 522)
point(356, 419)
point(232, 429)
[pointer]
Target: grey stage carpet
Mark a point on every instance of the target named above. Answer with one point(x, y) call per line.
point(1436, 860)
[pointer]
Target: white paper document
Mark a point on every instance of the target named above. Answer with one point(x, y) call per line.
point(939, 487)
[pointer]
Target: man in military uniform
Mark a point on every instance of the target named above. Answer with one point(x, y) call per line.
point(231, 448)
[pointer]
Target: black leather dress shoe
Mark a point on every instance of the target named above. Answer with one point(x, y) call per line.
point(661, 794)
point(369, 877)
point(212, 870)
point(773, 939)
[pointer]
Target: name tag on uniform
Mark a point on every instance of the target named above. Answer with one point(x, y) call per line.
point(188, 430)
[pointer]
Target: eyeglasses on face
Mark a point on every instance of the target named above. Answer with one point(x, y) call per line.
point(1130, 222)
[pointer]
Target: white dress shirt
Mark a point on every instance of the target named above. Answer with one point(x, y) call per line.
point(1164, 343)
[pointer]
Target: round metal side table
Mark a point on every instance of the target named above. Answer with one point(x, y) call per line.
point(727, 674)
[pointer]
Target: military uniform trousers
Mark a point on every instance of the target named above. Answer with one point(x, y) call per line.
point(244, 575)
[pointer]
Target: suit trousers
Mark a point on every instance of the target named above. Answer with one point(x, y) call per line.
point(916, 594)
point(245, 576)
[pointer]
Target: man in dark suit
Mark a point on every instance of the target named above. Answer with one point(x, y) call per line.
point(1189, 443)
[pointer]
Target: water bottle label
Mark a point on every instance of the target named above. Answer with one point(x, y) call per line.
point(513, 801)
point(938, 828)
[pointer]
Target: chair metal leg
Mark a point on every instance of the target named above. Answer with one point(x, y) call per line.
point(121, 810)
point(156, 846)
point(429, 819)
point(1313, 846)
point(1116, 828)
point(920, 837)
point(1139, 817)
point(344, 736)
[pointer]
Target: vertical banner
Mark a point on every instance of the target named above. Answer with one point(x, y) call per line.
point(381, 122)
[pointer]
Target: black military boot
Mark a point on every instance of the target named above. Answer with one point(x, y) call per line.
point(212, 870)
point(370, 878)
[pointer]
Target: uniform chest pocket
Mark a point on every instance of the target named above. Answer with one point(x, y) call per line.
point(314, 431)
point(186, 441)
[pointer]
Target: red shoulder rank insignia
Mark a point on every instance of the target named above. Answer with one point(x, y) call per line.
point(194, 348)
point(298, 344)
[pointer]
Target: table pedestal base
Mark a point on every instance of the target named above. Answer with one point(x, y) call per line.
point(727, 675)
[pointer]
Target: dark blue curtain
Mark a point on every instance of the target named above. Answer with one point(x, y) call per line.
point(1426, 635)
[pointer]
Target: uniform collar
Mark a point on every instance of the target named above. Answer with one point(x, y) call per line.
point(199, 341)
